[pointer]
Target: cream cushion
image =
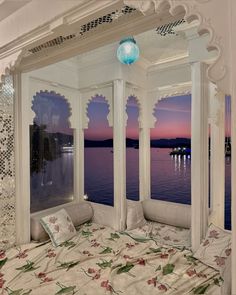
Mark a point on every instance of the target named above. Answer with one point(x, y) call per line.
point(167, 213)
point(59, 227)
point(79, 213)
point(215, 249)
point(135, 217)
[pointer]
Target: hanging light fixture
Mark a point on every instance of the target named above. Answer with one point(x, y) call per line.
point(128, 51)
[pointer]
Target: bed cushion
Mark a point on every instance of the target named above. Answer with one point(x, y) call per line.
point(79, 212)
point(215, 250)
point(135, 217)
point(59, 227)
point(167, 213)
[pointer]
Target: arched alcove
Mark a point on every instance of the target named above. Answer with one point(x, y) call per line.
point(51, 151)
point(98, 153)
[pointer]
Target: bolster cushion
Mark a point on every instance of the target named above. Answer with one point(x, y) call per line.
point(167, 212)
point(79, 213)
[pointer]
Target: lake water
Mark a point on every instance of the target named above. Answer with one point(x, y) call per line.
point(170, 179)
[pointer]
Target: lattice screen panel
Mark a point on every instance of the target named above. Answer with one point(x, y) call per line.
point(109, 18)
point(7, 174)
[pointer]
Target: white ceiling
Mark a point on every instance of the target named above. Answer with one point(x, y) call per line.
point(154, 47)
point(8, 7)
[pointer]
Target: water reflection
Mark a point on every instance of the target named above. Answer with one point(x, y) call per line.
point(170, 178)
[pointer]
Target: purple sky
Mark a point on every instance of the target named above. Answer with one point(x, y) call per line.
point(173, 117)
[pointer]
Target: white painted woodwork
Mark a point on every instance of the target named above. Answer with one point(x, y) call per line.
point(217, 155)
point(233, 185)
point(119, 148)
point(144, 150)
point(22, 155)
point(66, 17)
point(231, 32)
point(199, 154)
point(78, 133)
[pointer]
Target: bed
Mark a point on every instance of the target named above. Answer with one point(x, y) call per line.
point(99, 260)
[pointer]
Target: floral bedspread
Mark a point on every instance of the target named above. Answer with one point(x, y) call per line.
point(101, 261)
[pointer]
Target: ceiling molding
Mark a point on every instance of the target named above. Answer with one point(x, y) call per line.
point(172, 61)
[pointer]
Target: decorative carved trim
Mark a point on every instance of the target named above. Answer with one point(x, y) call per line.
point(87, 97)
point(193, 10)
point(56, 94)
point(165, 92)
point(8, 65)
point(131, 91)
point(215, 114)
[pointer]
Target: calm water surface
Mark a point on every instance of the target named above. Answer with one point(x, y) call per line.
point(170, 179)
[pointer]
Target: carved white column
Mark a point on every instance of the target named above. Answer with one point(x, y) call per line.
point(144, 150)
point(78, 132)
point(119, 148)
point(199, 154)
point(22, 153)
point(233, 186)
point(217, 123)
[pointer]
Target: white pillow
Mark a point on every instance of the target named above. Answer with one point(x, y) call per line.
point(215, 250)
point(79, 213)
point(135, 217)
point(59, 227)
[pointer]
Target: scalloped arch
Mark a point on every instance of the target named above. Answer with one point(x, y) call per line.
point(139, 104)
point(87, 102)
point(60, 96)
point(163, 97)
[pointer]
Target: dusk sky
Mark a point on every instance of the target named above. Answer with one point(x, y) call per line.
point(173, 117)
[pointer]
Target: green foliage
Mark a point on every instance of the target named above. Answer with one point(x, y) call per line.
point(29, 266)
point(106, 250)
point(153, 250)
point(65, 290)
point(201, 289)
point(2, 262)
point(114, 236)
point(104, 264)
point(191, 259)
point(125, 268)
point(68, 265)
point(86, 233)
point(168, 268)
point(68, 244)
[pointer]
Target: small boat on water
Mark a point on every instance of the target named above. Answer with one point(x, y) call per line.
point(181, 151)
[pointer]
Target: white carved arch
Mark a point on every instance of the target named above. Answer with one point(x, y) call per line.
point(165, 92)
point(193, 10)
point(87, 98)
point(131, 91)
point(62, 97)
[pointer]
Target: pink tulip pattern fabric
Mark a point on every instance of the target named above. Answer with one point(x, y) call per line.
point(215, 250)
point(98, 260)
point(59, 227)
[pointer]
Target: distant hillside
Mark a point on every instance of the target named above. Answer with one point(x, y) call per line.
point(64, 139)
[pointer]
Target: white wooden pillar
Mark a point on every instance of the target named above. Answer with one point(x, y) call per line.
point(233, 184)
point(22, 105)
point(217, 155)
point(119, 148)
point(78, 133)
point(144, 150)
point(199, 153)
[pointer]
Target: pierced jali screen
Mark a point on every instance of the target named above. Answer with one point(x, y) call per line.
point(7, 173)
